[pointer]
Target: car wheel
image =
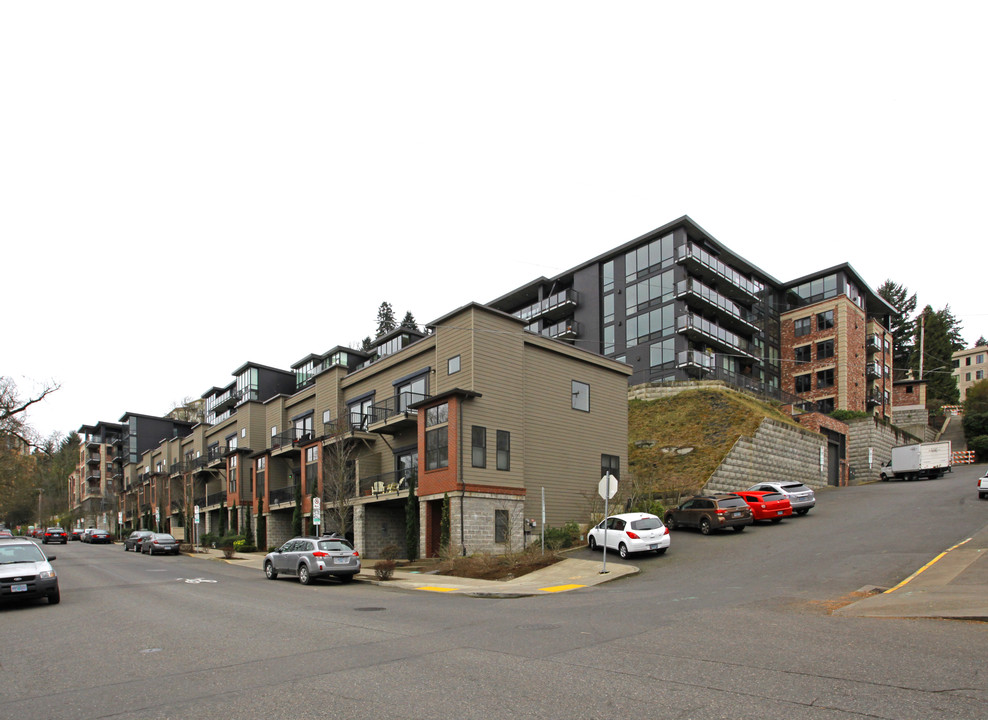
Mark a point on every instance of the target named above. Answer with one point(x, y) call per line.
point(55, 598)
point(885, 478)
point(739, 528)
point(593, 543)
point(982, 495)
point(303, 575)
point(705, 526)
point(623, 550)
point(802, 511)
point(670, 522)
point(269, 570)
point(661, 551)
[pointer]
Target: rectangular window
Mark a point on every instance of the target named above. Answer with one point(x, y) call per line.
point(979, 359)
point(824, 349)
point(453, 365)
point(609, 308)
point(478, 442)
point(437, 415)
point(610, 464)
point(967, 377)
point(608, 339)
point(803, 383)
point(888, 371)
point(503, 450)
point(436, 448)
point(826, 405)
point(580, 396)
point(662, 353)
point(801, 327)
point(607, 275)
point(825, 320)
point(803, 354)
point(825, 379)
point(979, 374)
point(500, 526)
point(967, 361)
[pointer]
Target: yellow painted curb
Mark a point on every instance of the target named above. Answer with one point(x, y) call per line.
point(561, 588)
point(925, 567)
point(436, 589)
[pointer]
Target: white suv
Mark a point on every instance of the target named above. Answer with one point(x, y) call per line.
point(25, 572)
point(983, 486)
point(802, 498)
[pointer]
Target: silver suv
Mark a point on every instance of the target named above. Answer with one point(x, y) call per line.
point(309, 558)
point(25, 572)
point(802, 498)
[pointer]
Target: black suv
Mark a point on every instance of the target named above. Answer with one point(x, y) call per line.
point(55, 535)
point(711, 512)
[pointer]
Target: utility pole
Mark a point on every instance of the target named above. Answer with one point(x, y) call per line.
point(40, 490)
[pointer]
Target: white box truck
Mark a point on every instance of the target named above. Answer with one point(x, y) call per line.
point(920, 460)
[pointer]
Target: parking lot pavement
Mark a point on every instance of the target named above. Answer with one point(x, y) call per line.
point(568, 574)
point(953, 585)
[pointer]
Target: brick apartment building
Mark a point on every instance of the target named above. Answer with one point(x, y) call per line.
point(970, 367)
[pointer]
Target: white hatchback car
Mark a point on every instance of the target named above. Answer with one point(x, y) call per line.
point(802, 498)
point(630, 533)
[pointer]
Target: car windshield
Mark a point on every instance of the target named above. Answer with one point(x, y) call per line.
point(164, 538)
point(20, 554)
point(771, 497)
point(731, 502)
point(335, 545)
point(646, 524)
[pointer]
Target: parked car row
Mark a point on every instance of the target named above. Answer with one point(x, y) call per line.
point(628, 533)
point(151, 543)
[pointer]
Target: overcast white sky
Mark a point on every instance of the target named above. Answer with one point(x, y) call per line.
point(187, 186)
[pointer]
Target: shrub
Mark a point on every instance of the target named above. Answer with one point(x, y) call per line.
point(384, 569)
point(566, 536)
point(979, 444)
point(646, 505)
point(247, 548)
point(390, 552)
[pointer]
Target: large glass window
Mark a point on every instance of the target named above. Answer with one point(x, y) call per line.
point(663, 353)
point(412, 391)
point(803, 383)
point(607, 276)
point(437, 448)
point(478, 444)
point(802, 327)
point(825, 320)
point(360, 413)
point(802, 354)
point(503, 450)
point(824, 349)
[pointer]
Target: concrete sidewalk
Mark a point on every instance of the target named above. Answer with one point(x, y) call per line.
point(953, 585)
point(568, 574)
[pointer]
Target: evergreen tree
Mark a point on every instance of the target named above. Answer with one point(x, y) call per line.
point(939, 333)
point(411, 522)
point(385, 319)
point(903, 325)
point(444, 526)
point(409, 321)
point(980, 341)
point(367, 344)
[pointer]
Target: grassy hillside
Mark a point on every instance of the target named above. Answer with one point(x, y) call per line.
point(675, 443)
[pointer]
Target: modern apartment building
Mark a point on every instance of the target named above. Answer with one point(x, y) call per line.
point(676, 304)
point(96, 482)
point(475, 412)
point(970, 366)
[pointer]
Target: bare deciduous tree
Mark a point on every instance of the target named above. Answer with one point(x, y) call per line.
point(339, 486)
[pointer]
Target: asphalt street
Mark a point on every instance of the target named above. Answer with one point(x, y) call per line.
point(730, 625)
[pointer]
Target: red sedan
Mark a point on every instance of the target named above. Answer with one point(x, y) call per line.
point(767, 505)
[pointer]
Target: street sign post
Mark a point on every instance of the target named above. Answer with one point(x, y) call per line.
point(607, 489)
point(195, 528)
point(316, 512)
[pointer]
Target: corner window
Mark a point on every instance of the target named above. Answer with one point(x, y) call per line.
point(501, 526)
point(581, 396)
point(825, 320)
point(453, 365)
point(503, 450)
point(478, 444)
point(801, 327)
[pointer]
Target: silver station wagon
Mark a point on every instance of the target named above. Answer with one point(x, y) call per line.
point(308, 558)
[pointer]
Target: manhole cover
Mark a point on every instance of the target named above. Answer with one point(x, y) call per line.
point(369, 609)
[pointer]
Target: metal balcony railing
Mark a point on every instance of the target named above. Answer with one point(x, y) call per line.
point(392, 406)
point(384, 483)
point(563, 299)
point(277, 496)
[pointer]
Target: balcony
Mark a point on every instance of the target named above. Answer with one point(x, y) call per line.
point(695, 362)
point(566, 330)
point(873, 343)
point(874, 398)
point(394, 414)
point(291, 439)
point(215, 453)
point(703, 330)
point(217, 404)
point(555, 306)
point(390, 483)
point(94, 441)
point(706, 265)
point(94, 476)
point(215, 499)
point(729, 313)
point(281, 496)
point(93, 459)
point(873, 370)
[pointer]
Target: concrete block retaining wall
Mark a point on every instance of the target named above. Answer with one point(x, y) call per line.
point(870, 438)
point(777, 452)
